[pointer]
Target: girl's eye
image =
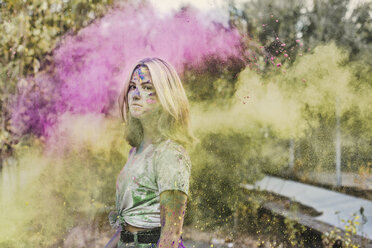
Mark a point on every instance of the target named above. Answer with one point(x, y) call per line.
point(132, 87)
point(148, 87)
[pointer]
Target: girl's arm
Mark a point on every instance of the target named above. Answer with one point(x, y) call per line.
point(172, 211)
point(114, 240)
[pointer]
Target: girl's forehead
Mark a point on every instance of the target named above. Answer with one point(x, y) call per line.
point(141, 73)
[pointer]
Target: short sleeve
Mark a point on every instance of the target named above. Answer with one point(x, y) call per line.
point(172, 168)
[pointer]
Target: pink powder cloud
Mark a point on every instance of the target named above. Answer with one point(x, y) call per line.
point(89, 68)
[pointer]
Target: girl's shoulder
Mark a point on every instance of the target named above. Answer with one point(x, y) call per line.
point(171, 152)
point(170, 146)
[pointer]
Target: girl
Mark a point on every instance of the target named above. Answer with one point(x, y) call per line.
point(152, 188)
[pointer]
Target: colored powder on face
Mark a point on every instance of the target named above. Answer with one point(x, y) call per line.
point(141, 72)
point(151, 101)
point(136, 92)
point(134, 77)
point(89, 69)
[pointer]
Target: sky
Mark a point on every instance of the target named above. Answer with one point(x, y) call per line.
point(215, 8)
point(169, 5)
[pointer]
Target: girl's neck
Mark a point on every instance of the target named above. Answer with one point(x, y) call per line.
point(145, 143)
point(150, 135)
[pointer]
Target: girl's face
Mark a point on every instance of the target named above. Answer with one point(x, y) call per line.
point(142, 98)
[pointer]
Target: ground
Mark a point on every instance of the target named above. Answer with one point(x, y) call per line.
point(90, 236)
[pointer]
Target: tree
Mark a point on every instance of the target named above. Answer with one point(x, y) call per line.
point(30, 31)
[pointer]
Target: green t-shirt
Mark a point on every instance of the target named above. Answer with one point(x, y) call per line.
point(159, 167)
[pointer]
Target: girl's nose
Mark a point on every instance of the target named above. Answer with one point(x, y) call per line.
point(136, 93)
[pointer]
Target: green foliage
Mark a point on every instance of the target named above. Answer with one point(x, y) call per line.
point(293, 232)
point(248, 209)
point(313, 24)
point(320, 85)
point(347, 30)
point(220, 162)
point(274, 230)
point(325, 27)
point(329, 238)
point(80, 185)
point(270, 24)
point(214, 81)
point(30, 30)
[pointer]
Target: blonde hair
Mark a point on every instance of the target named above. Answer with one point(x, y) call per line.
point(174, 114)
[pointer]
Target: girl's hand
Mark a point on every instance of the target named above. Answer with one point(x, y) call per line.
point(114, 219)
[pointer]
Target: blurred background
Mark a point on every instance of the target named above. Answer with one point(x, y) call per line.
point(280, 92)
